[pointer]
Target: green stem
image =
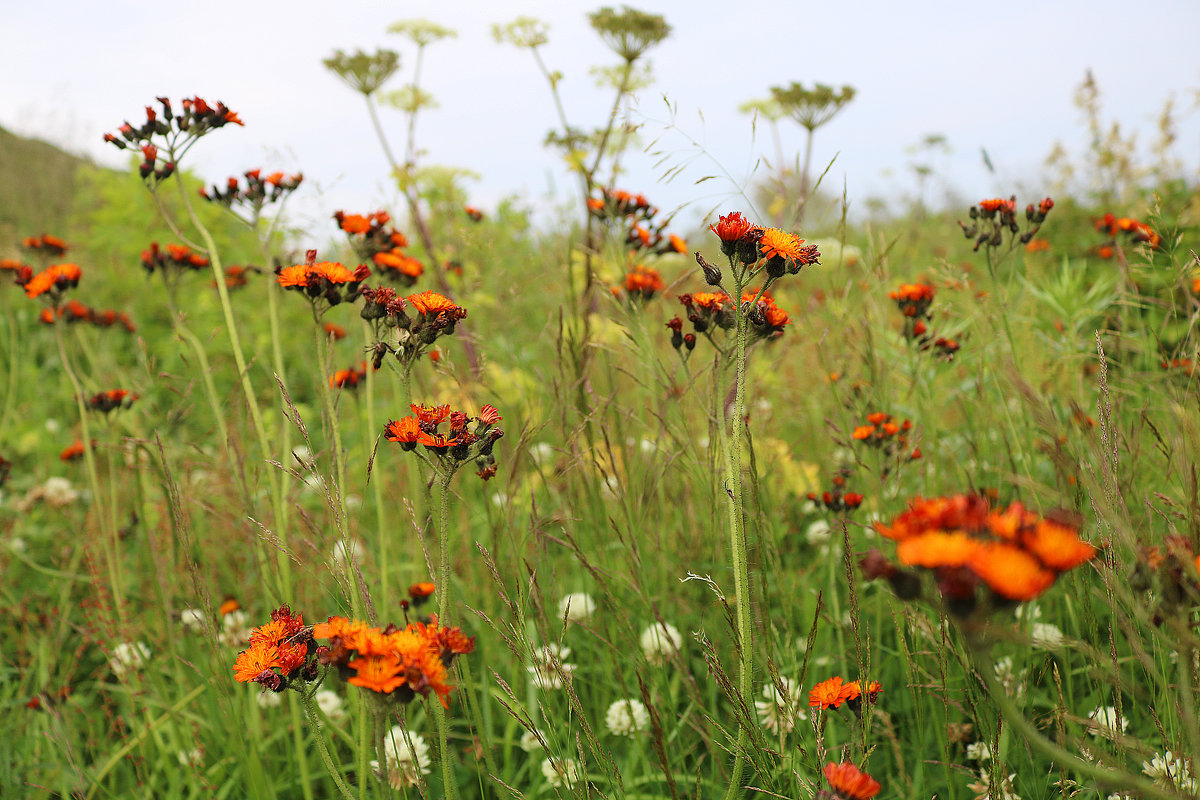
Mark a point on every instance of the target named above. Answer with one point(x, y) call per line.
point(379, 719)
point(737, 534)
point(449, 787)
point(443, 593)
point(335, 772)
point(381, 529)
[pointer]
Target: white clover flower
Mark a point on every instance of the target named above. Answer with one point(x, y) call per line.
point(235, 629)
point(190, 758)
point(1105, 718)
point(58, 492)
point(353, 502)
point(17, 544)
point(344, 555)
point(627, 717)
point(541, 453)
point(53, 425)
point(499, 499)
point(192, 619)
point(1012, 681)
point(979, 751)
point(647, 446)
point(530, 742)
point(818, 532)
point(268, 699)
point(407, 757)
point(549, 668)
point(661, 641)
point(780, 714)
point(576, 607)
point(1170, 772)
point(330, 703)
point(983, 787)
point(128, 657)
point(1046, 636)
point(561, 772)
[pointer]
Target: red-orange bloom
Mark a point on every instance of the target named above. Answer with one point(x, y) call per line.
point(404, 431)
point(827, 694)
point(732, 227)
point(72, 451)
point(253, 661)
point(433, 305)
point(850, 783)
point(431, 415)
point(55, 277)
point(644, 282)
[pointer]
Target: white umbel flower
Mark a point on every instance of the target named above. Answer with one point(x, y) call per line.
point(330, 703)
point(128, 657)
point(1105, 718)
point(779, 714)
point(407, 758)
point(550, 667)
point(661, 641)
point(576, 607)
point(627, 717)
point(561, 772)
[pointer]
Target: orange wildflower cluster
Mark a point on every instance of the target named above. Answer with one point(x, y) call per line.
point(397, 332)
point(848, 782)
point(284, 644)
point(258, 190)
point(237, 276)
point(834, 692)
point(643, 282)
point(1137, 232)
point(913, 299)
point(75, 311)
point(772, 249)
point(1169, 574)
point(73, 451)
point(53, 281)
point(883, 432)
point(473, 213)
point(400, 663)
point(461, 443)
point(636, 212)
point(1184, 366)
point(176, 257)
point(196, 119)
point(838, 499)
point(51, 245)
point(1014, 552)
point(767, 320)
point(349, 378)
point(325, 280)
point(991, 218)
point(111, 400)
point(384, 246)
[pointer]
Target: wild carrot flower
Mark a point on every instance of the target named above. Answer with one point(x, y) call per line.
point(849, 783)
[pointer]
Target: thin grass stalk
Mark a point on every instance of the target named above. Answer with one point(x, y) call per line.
point(110, 536)
point(443, 594)
point(379, 719)
point(381, 530)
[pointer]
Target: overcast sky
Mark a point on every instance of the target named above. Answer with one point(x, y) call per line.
point(998, 76)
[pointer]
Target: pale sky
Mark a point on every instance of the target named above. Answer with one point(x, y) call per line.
point(998, 76)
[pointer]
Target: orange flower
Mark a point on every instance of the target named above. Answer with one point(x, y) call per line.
point(253, 661)
point(336, 331)
point(779, 244)
point(643, 282)
point(853, 692)
point(677, 244)
point(228, 606)
point(827, 694)
point(421, 590)
point(849, 783)
point(938, 549)
point(73, 451)
point(431, 415)
point(432, 305)
point(1057, 546)
point(379, 673)
point(57, 277)
point(1010, 571)
point(1037, 246)
point(405, 431)
point(731, 228)
point(354, 223)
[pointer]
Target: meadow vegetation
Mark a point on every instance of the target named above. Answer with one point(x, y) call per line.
point(437, 502)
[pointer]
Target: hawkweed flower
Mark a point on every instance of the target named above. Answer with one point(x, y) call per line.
point(913, 299)
point(838, 499)
point(52, 282)
point(254, 190)
point(847, 782)
point(348, 378)
point(50, 245)
point(167, 133)
point(992, 218)
point(128, 657)
point(419, 593)
point(1136, 232)
point(473, 213)
point(401, 334)
point(627, 717)
point(1015, 554)
point(113, 399)
point(467, 438)
point(643, 283)
point(780, 710)
point(661, 642)
point(561, 772)
point(325, 283)
point(284, 644)
point(72, 452)
point(376, 241)
point(883, 433)
point(407, 757)
point(176, 259)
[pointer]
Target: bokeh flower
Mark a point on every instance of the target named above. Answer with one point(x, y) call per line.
point(407, 757)
point(661, 642)
point(627, 717)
